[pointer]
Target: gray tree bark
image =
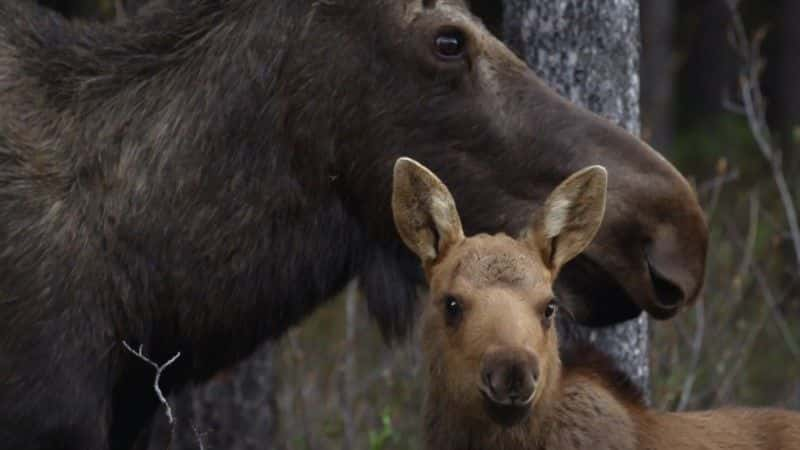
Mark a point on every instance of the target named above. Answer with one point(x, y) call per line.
point(588, 50)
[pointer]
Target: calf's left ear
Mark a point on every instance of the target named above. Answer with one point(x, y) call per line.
point(424, 211)
point(570, 217)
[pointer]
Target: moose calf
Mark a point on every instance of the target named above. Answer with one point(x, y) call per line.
point(495, 377)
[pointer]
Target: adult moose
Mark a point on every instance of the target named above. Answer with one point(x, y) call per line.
point(199, 178)
point(488, 333)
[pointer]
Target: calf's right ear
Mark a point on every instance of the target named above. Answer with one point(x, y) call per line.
point(424, 211)
point(570, 217)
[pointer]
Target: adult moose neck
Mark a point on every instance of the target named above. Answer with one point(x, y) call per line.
point(183, 153)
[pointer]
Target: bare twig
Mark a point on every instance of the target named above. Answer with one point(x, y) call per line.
point(716, 184)
point(198, 438)
point(742, 275)
point(771, 305)
point(120, 13)
point(754, 107)
point(783, 327)
point(697, 347)
point(718, 181)
point(350, 376)
point(682, 333)
point(159, 371)
point(298, 362)
point(745, 350)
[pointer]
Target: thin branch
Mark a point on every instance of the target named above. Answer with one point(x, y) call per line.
point(732, 106)
point(742, 275)
point(771, 305)
point(697, 347)
point(745, 350)
point(783, 326)
point(716, 183)
point(350, 375)
point(159, 371)
point(298, 360)
point(120, 13)
point(755, 112)
point(198, 438)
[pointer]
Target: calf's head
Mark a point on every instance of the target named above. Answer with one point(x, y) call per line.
point(424, 78)
point(488, 326)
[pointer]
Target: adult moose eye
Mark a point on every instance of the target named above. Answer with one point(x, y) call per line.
point(452, 311)
point(450, 44)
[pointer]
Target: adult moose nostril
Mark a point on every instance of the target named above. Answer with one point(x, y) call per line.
point(675, 269)
point(669, 294)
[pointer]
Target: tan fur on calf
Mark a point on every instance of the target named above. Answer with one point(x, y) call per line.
point(496, 381)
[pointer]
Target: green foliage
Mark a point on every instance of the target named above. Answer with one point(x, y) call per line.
point(698, 148)
point(748, 352)
point(381, 438)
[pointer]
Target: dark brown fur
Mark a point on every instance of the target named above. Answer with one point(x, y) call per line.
point(502, 287)
point(200, 178)
point(584, 359)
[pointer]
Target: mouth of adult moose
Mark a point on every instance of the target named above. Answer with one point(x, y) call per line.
point(668, 294)
point(596, 296)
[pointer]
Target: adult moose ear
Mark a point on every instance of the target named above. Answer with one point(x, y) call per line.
point(424, 211)
point(570, 217)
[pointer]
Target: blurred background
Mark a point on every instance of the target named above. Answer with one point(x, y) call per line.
point(737, 141)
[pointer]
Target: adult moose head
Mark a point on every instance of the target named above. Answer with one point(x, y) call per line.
point(200, 178)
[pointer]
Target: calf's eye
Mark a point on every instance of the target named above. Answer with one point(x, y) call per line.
point(550, 309)
point(450, 44)
point(452, 311)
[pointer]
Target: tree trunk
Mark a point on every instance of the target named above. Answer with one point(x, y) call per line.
point(588, 50)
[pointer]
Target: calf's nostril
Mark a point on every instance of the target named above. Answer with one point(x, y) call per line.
point(516, 381)
point(522, 383)
point(510, 379)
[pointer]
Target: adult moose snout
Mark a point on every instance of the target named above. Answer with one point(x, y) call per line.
point(666, 250)
point(508, 382)
point(650, 251)
point(675, 280)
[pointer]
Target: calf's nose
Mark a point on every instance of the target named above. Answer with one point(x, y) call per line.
point(508, 377)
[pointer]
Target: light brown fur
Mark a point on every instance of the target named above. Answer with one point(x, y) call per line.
point(502, 287)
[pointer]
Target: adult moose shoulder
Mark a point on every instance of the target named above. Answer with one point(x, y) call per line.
point(200, 178)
